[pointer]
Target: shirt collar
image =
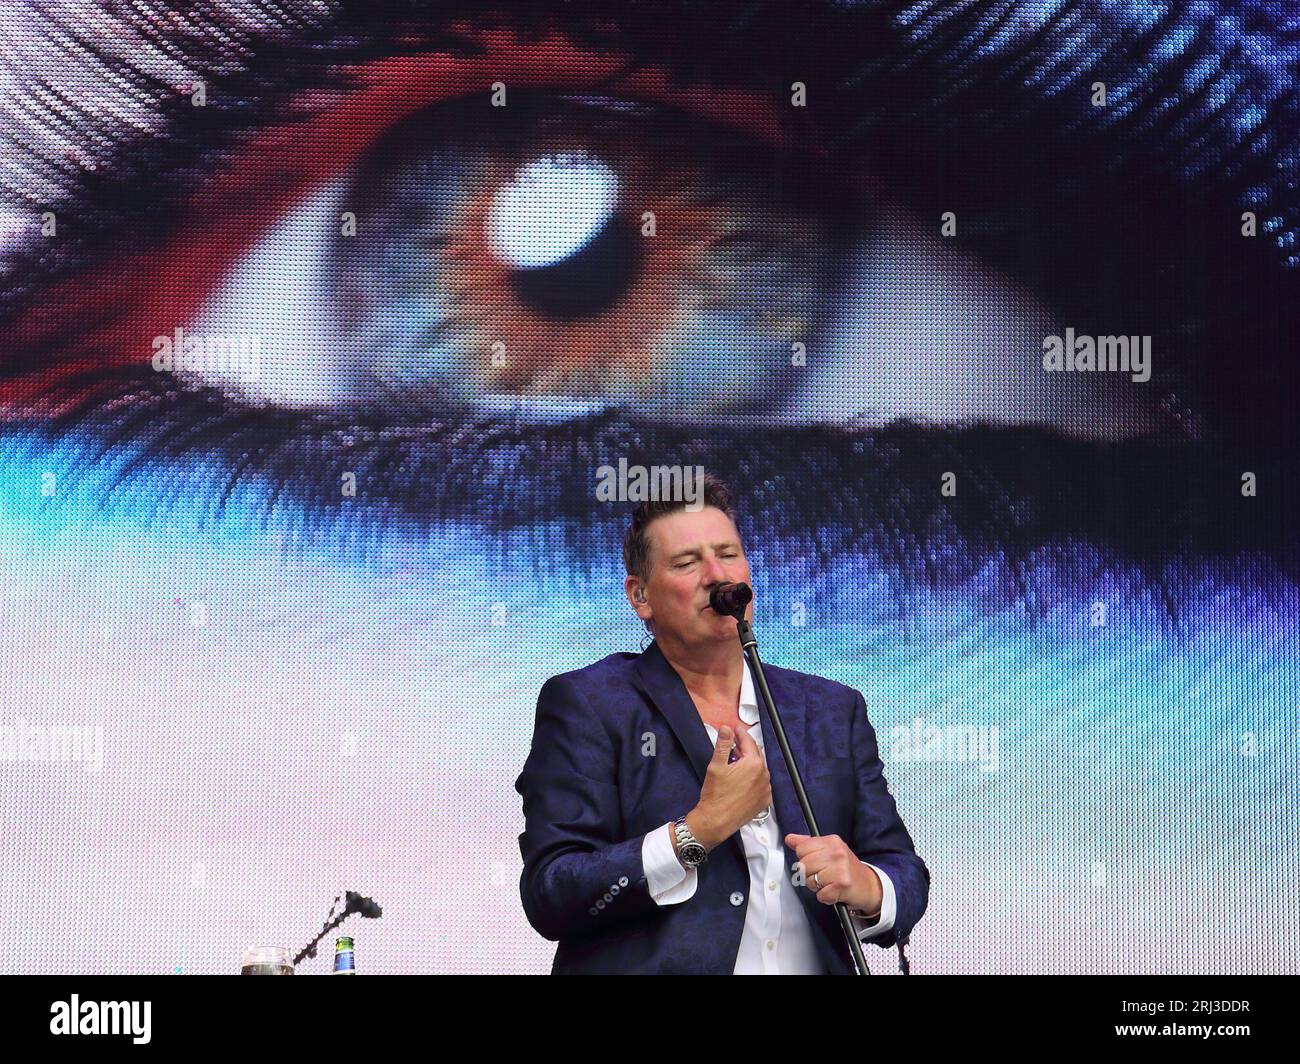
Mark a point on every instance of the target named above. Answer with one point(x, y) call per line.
point(748, 699)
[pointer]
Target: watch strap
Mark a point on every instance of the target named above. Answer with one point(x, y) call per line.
point(685, 837)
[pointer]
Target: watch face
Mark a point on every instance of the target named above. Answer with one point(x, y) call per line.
point(693, 853)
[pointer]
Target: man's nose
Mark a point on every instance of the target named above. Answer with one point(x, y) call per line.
point(714, 571)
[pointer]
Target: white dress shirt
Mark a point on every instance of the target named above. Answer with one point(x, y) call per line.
point(778, 936)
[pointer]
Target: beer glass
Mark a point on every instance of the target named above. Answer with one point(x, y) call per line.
point(266, 960)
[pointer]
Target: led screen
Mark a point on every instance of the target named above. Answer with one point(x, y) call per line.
point(335, 340)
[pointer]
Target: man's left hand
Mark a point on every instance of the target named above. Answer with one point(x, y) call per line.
point(833, 872)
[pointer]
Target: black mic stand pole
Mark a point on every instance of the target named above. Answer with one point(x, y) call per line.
point(750, 646)
point(355, 904)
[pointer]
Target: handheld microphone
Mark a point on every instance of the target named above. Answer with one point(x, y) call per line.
point(730, 600)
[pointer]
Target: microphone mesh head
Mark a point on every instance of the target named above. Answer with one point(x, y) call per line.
point(730, 599)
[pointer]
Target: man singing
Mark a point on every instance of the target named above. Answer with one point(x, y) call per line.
point(660, 836)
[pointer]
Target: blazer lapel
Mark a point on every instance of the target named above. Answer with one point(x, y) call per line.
point(660, 683)
point(657, 679)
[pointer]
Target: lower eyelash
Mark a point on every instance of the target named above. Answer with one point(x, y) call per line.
point(1033, 544)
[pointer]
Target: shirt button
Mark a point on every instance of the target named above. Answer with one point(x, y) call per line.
point(737, 897)
point(771, 944)
point(771, 884)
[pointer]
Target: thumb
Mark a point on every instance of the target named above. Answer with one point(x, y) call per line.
point(722, 748)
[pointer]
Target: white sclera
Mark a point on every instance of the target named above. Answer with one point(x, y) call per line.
point(274, 296)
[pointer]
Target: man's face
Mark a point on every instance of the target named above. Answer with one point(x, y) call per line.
point(690, 553)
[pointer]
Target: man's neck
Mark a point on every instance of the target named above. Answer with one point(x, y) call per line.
point(712, 673)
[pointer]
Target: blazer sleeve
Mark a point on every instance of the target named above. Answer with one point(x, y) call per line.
point(579, 877)
point(879, 836)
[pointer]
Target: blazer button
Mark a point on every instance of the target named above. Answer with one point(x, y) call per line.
point(736, 897)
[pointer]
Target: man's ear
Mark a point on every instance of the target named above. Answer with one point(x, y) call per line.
point(636, 595)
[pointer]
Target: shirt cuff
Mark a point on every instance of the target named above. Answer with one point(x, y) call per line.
point(888, 909)
point(667, 880)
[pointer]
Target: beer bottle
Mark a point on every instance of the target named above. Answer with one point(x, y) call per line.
point(344, 960)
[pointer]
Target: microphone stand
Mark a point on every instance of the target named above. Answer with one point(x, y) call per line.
point(355, 904)
point(750, 646)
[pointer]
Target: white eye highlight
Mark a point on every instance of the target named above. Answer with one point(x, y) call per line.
point(551, 209)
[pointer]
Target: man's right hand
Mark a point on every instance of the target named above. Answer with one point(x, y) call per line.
point(733, 794)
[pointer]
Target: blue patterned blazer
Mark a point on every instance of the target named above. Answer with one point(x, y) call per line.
point(619, 749)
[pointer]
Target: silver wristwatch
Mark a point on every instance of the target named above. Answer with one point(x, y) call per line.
point(689, 849)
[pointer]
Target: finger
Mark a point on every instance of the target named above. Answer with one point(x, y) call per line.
point(829, 894)
point(808, 871)
point(802, 851)
point(822, 877)
point(816, 838)
point(805, 846)
point(836, 845)
point(812, 845)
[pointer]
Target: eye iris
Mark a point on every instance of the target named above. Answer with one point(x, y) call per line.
point(555, 226)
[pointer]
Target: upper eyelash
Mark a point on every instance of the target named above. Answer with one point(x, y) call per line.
point(717, 56)
point(315, 64)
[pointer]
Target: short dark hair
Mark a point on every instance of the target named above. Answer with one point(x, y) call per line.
point(636, 543)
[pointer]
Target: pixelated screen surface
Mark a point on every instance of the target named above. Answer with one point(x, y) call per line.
point(333, 337)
